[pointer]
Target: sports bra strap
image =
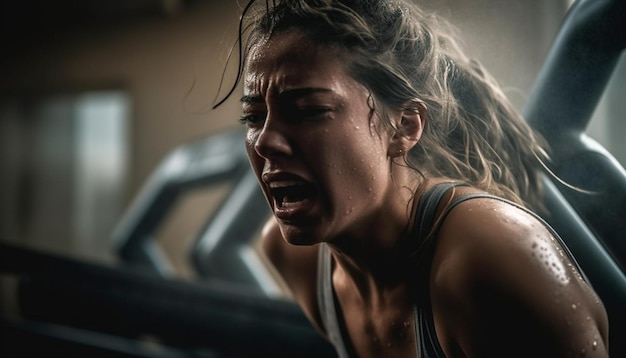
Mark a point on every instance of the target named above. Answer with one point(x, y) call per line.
point(427, 226)
point(326, 301)
point(427, 210)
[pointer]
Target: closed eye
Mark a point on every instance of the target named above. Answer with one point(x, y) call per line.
point(251, 119)
point(292, 114)
point(313, 111)
point(309, 113)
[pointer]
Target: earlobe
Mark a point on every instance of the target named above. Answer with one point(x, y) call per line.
point(409, 127)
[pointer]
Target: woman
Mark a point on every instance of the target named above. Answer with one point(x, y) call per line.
point(399, 176)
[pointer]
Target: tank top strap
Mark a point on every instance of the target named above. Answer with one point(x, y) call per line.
point(426, 227)
point(427, 208)
point(424, 231)
point(426, 337)
point(550, 229)
point(326, 301)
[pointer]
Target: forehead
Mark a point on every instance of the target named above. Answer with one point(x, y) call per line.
point(291, 59)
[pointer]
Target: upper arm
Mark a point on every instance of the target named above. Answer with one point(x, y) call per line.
point(502, 286)
point(297, 266)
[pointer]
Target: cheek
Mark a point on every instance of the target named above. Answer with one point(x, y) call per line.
point(360, 163)
point(370, 171)
point(366, 150)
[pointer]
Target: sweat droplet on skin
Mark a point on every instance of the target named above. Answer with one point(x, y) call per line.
point(550, 260)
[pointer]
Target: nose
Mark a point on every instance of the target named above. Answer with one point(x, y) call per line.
point(272, 140)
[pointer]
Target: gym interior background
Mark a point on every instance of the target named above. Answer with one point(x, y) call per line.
point(95, 94)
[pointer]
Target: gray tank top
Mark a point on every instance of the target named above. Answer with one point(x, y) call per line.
point(425, 231)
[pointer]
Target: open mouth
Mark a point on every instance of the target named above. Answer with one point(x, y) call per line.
point(292, 193)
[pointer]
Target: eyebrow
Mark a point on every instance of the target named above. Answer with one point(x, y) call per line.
point(251, 99)
point(288, 93)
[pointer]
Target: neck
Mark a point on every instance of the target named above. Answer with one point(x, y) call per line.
point(381, 260)
point(376, 261)
point(375, 278)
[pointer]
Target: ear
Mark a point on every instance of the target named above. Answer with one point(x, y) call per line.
point(409, 123)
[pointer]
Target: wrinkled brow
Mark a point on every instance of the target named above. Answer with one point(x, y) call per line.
point(287, 94)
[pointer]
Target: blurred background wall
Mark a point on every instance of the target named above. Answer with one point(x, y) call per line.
point(94, 95)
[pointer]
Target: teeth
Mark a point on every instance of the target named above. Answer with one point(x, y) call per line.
point(284, 184)
point(288, 204)
point(290, 193)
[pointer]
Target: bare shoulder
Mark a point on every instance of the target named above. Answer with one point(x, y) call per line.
point(502, 285)
point(297, 266)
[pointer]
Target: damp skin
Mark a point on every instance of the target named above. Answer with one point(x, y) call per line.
point(520, 270)
point(551, 258)
point(493, 293)
point(305, 116)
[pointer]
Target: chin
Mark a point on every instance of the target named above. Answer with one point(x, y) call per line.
point(298, 237)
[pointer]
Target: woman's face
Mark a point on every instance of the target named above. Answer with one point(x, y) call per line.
point(321, 161)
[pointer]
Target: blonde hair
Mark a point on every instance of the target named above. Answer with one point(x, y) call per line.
point(403, 55)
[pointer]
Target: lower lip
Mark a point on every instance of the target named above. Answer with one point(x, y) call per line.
point(295, 211)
